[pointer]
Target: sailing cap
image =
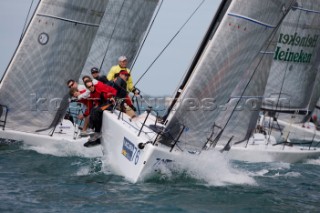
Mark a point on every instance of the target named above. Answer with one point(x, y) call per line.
point(94, 69)
point(122, 58)
point(124, 72)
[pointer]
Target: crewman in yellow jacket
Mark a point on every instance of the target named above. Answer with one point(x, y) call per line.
point(122, 65)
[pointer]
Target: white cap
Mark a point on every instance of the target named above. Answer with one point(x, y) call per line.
point(122, 58)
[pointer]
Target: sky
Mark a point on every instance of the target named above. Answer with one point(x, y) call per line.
point(164, 76)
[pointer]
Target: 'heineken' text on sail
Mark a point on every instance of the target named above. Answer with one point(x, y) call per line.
point(288, 54)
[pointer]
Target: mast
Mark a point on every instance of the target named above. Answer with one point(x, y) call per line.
point(213, 25)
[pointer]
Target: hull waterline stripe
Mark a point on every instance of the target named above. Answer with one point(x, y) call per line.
point(69, 20)
point(306, 10)
point(251, 20)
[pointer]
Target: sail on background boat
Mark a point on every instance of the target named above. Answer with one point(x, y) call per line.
point(241, 35)
point(122, 30)
point(295, 61)
point(53, 50)
point(293, 85)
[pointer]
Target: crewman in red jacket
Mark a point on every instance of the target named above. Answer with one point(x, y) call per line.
point(103, 98)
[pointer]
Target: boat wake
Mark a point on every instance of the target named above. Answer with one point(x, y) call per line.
point(89, 168)
point(202, 168)
point(272, 170)
point(66, 150)
point(313, 161)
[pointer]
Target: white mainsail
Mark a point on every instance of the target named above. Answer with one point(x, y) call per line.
point(293, 84)
point(122, 30)
point(53, 50)
point(243, 30)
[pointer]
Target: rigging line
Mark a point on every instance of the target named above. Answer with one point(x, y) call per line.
point(255, 70)
point(25, 22)
point(314, 87)
point(145, 37)
point(114, 29)
point(211, 29)
point(280, 92)
point(185, 23)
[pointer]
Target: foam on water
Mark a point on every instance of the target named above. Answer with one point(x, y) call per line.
point(292, 174)
point(211, 167)
point(83, 171)
point(279, 166)
point(66, 150)
point(94, 166)
point(260, 173)
point(288, 174)
point(313, 161)
point(46, 150)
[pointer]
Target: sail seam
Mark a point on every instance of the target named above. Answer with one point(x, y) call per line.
point(69, 20)
point(266, 52)
point(306, 10)
point(251, 20)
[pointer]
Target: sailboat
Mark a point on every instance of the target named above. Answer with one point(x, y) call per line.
point(291, 93)
point(62, 37)
point(294, 128)
point(230, 67)
point(293, 87)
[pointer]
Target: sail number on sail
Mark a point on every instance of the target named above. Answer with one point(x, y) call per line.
point(295, 40)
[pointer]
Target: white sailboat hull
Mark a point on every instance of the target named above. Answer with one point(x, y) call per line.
point(61, 143)
point(259, 149)
point(305, 132)
point(122, 154)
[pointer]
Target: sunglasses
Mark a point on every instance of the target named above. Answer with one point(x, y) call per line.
point(71, 85)
point(90, 86)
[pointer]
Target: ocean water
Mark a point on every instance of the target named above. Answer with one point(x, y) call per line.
point(34, 182)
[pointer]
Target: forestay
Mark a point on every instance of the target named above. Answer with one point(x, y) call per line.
point(122, 30)
point(53, 50)
point(293, 84)
point(223, 71)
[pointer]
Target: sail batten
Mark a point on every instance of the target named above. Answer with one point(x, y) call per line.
point(251, 20)
point(69, 20)
point(307, 10)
